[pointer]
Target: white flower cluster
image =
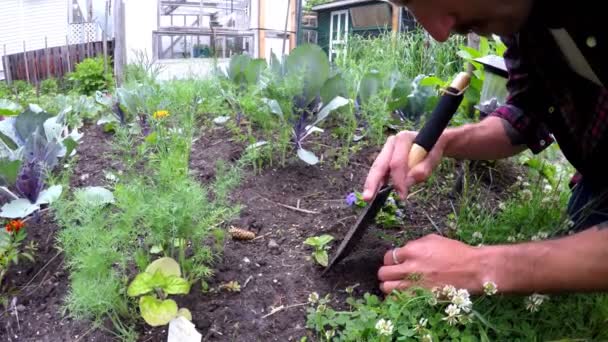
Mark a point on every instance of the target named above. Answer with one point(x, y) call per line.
point(540, 236)
point(490, 288)
point(460, 306)
point(477, 236)
point(384, 327)
point(534, 301)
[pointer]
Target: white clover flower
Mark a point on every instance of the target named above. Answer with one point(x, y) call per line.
point(421, 325)
point(520, 236)
point(384, 327)
point(432, 301)
point(548, 188)
point(570, 223)
point(546, 200)
point(525, 184)
point(543, 235)
point(313, 298)
point(526, 194)
point(427, 338)
point(477, 236)
point(462, 300)
point(534, 301)
point(490, 288)
point(511, 238)
point(321, 308)
point(502, 206)
point(329, 334)
point(453, 312)
point(449, 291)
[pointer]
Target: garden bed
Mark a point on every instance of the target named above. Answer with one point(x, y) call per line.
point(283, 206)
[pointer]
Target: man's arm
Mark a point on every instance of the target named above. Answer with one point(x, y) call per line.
point(573, 263)
point(491, 139)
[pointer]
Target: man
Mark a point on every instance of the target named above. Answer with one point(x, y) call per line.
point(557, 60)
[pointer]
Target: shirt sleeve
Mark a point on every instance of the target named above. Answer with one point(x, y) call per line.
point(518, 109)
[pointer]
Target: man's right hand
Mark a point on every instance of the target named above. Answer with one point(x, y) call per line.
point(392, 163)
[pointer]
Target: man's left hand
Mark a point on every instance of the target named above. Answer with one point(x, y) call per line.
point(434, 261)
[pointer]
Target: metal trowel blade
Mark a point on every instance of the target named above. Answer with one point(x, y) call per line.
point(353, 236)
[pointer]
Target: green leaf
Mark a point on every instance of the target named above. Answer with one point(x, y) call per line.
point(432, 81)
point(274, 106)
point(9, 170)
point(49, 195)
point(254, 69)
point(484, 46)
point(70, 145)
point(309, 63)
point(8, 141)
point(185, 313)
point(307, 156)
point(400, 95)
point(336, 103)
point(155, 312)
point(142, 284)
point(333, 87)
point(236, 69)
point(94, 196)
point(9, 108)
point(321, 257)
point(30, 120)
point(18, 208)
point(370, 86)
point(167, 266)
point(176, 285)
point(156, 249)
point(152, 138)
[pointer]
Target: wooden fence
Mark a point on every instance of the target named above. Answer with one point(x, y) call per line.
point(37, 65)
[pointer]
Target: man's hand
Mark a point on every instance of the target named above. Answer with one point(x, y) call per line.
point(392, 162)
point(434, 261)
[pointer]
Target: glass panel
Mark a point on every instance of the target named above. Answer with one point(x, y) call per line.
point(371, 16)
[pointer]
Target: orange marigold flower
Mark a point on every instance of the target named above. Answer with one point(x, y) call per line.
point(159, 114)
point(13, 226)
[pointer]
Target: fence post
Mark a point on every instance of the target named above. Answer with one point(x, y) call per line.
point(105, 38)
point(48, 59)
point(120, 50)
point(7, 68)
point(27, 71)
point(67, 47)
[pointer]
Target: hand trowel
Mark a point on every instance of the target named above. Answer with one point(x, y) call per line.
point(423, 143)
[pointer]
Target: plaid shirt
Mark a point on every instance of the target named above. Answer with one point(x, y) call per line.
point(550, 98)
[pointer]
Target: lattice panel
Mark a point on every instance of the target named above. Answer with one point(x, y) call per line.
point(83, 33)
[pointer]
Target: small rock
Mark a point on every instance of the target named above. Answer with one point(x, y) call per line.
point(20, 307)
point(272, 244)
point(84, 176)
point(246, 260)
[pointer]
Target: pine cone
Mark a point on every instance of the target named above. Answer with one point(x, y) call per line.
point(241, 234)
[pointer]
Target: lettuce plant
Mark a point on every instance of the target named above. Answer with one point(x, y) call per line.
point(160, 279)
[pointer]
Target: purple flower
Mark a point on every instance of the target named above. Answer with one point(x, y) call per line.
point(351, 199)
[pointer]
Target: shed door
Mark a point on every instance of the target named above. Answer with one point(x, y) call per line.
point(338, 34)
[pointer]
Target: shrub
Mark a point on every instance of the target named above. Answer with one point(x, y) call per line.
point(89, 76)
point(49, 87)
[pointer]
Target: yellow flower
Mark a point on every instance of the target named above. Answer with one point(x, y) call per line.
point(159, 114)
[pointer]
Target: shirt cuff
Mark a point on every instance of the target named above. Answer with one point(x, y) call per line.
point(535, 134)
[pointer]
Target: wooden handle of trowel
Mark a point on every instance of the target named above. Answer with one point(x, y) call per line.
point(429, 134)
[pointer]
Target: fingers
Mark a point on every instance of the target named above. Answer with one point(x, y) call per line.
point(388, 256)
point(398, 164)
point(392, 273)
point(379, 170)
point(423, 170)
point(388, 286)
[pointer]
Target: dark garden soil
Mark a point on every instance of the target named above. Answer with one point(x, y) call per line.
point(283, 206)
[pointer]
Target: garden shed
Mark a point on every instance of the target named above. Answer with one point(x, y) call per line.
point(339, 19)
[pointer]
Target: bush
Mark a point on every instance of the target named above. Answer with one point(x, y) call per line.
point(21, 87)
point(49, 87)
point(5, 91)
point(89, 76)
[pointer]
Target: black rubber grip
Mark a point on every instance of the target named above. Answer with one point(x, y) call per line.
point(443, 112)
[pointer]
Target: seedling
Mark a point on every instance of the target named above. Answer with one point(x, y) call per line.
point(319, 243)
point(161, 278)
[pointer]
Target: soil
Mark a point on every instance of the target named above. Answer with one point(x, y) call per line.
point(283, 206)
